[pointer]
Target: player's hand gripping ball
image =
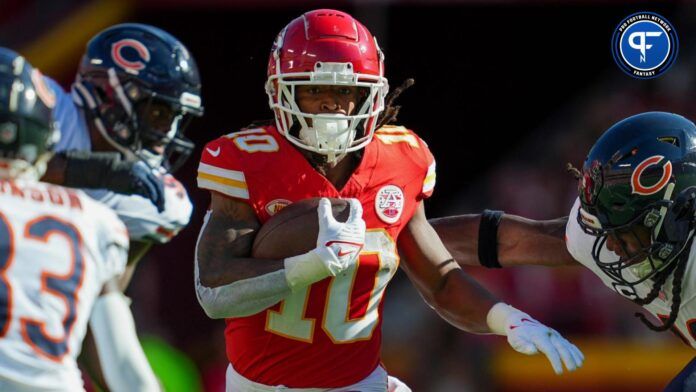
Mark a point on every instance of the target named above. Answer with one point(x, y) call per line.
point(293, 231)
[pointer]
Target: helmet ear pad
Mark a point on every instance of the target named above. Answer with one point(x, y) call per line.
point(679, 219)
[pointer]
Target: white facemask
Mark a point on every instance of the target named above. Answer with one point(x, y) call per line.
point(330, 131)
point(332, 135)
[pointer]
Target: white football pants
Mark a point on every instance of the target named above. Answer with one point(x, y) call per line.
point(377, 381)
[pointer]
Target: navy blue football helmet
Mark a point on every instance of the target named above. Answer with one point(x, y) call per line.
point(26, 126)
point(641, 175)
point(140, 86)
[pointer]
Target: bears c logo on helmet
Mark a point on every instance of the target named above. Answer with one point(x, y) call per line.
point(638, 188)
point(133, 66)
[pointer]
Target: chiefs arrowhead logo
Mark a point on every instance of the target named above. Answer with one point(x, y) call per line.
point(389, 203)
point(637, 186)
point(276, 205)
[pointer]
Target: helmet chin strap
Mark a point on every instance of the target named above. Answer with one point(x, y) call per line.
point(329, 134)
point(645, 267)
point(663, 209)
point(153, 159)
point(128, 153)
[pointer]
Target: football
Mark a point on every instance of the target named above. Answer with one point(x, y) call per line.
point(294, 229)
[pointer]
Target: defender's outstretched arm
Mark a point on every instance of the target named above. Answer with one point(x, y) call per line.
point(517, 240)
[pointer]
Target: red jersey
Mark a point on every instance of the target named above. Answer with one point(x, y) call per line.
point(328, 335)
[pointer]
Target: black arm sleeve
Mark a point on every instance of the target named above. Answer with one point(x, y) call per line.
point(488, 238)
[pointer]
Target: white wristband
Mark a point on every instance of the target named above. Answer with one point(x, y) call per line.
point(498, 318)
point(305, 269)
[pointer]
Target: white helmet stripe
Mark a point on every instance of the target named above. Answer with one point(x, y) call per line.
point(17, 85)
point(120, 94)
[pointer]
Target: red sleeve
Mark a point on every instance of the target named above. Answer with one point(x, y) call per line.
point(404, 142)
point(429, 172)
point(220, 169)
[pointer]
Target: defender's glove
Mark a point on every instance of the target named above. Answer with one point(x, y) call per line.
point(106, 170)
point(529, 336)
point(338, 247)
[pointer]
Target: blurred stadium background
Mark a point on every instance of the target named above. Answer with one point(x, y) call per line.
point(506, 93)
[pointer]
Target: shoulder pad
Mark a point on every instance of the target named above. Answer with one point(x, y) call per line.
point(393, 134)
point(405, 143)
point(222, 164)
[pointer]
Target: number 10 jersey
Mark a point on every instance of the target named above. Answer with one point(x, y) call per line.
point(329, 334)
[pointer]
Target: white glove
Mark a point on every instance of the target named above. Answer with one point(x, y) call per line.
point(396, 385)
point(338, 247)
point(529, 336)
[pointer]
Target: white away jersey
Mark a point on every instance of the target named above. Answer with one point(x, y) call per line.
point(580, 245)
point(141, 217)
point(57, 248)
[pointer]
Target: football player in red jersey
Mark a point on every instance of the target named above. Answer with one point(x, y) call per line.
point(313, 320)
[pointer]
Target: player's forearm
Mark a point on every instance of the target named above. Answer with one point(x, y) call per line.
point(228, 286)
point(523, 241)
point(231, 284)
point(520, 241)
point(250, 295)
point(228, 282)
point(122, 358)
point(223, 250)
point(243, 297)
point(463, 302)
point(443, 284)
point(222, 270)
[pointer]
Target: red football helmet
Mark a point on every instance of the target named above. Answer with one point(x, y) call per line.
point(326, 47)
